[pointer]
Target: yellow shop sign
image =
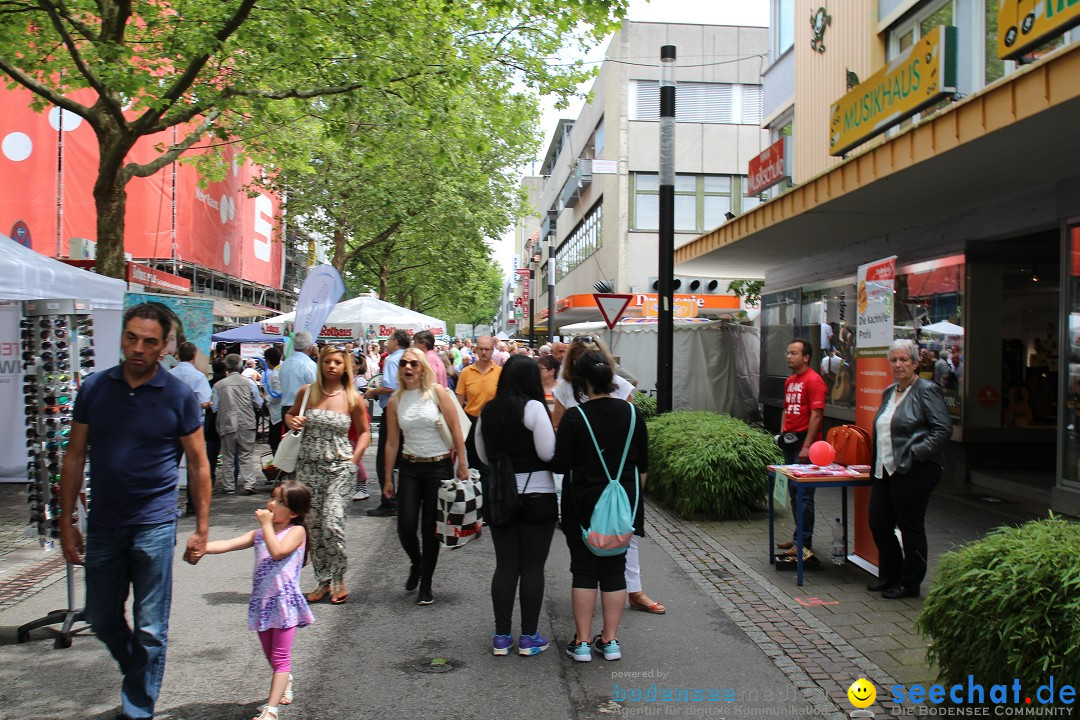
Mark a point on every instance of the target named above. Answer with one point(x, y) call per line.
point(1023, 25)
point(917, 77)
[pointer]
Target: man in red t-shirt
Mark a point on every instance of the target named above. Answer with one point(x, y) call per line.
point(804, 411)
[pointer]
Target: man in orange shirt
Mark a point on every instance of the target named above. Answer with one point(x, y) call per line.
point(476, 387)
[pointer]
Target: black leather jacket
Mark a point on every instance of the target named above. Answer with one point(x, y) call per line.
point(920, 426)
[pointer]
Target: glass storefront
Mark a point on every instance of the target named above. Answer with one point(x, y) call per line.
point(1070, 434)
point(929, 310)
point(828, 319)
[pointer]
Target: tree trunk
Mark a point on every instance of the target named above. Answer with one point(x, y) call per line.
point(110, 201)
point(340, 255)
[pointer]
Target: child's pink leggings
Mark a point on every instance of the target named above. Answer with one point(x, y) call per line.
point(277, 644)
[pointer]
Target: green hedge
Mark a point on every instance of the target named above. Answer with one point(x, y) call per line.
point(700, 462)
point(646, 403)
point(1008, 606)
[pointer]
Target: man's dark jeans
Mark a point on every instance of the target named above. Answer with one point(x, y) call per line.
point(139, 557)
point(791, 456)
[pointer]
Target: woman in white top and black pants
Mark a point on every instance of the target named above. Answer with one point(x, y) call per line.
point(910, 431)
point(516, 422)
point(425, 463)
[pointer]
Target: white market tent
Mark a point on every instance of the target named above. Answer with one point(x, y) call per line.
point(716, 363)
point(944, 327)
point(361, 318)
point(29, 275)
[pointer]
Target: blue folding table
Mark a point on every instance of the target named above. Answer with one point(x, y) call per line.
point(800, 484)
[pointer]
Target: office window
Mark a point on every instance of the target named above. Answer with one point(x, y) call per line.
point(699, 102)
point(907, 34)
point(585, 239)
point(701, 201)
point(716, 200)
point(783, 18)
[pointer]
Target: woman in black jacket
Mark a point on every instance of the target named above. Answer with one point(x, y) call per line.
point(516, 422)
point(910, 431)
point(577, 457)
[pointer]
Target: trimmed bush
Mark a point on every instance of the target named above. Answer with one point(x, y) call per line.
point(1008, 606)
point(700, 462)
point(646, 403)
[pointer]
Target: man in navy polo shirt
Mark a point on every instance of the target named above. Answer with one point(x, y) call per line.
point(136, 418)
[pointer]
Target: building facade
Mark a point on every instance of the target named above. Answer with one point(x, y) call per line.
point(941, 133)
point(599, 203)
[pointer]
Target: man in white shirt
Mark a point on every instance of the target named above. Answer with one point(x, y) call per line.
point(298, 370)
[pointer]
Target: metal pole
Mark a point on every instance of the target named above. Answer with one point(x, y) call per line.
point(551, 287)
point(532, 305)
point(666, 266)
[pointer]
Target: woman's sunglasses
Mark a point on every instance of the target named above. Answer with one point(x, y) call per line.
point(411, 363)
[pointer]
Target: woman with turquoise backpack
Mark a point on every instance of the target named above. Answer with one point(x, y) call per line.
point(602, 449)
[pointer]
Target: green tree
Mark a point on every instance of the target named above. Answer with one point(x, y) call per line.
point(214, 66)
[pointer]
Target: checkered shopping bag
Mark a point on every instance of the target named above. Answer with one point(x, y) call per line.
point(457, 515)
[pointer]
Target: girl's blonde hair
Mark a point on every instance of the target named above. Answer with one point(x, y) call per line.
point(578, 347)
point(347, 377)
point(427, 374)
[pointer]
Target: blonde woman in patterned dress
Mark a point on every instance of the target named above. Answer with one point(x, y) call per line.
point(327, 464)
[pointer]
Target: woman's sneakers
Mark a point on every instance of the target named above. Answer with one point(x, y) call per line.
point(424, 597)
point(580, 651)
point(532, 644)
point(610, 649)
point(527, 644)
point(500, 644)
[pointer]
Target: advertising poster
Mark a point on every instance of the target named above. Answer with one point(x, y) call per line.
point(193, 321)
point(874, 293)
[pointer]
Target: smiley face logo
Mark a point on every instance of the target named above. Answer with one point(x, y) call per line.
point(862, 693)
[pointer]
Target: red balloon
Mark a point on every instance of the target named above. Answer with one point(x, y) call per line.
point(822, 453)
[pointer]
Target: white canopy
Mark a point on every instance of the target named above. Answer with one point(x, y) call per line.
point(29, 275)
point(362, 318)
point(944, 327)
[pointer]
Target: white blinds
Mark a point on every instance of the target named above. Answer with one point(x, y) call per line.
point(699, 102)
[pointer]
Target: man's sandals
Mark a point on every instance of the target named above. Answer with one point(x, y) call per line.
point(788, 547)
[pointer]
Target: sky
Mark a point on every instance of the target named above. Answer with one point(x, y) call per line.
point(715, 12)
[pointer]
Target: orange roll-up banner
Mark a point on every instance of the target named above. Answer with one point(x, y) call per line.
point(875, 292)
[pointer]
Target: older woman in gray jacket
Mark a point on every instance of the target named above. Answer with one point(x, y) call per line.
point(910, 431)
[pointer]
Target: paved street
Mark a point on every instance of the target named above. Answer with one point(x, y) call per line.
point(733, 624)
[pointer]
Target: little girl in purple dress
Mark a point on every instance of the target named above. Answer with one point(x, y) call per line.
point(277, 606)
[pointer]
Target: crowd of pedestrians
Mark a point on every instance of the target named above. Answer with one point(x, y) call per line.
point(508, 394)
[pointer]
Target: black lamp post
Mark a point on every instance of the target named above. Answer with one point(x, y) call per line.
point(666, 266)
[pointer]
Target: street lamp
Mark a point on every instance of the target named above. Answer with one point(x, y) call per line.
point(666, 266)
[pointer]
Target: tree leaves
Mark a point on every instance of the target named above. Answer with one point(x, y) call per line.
point(152, 66)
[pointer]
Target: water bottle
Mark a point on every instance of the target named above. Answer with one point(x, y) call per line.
point(838, 542)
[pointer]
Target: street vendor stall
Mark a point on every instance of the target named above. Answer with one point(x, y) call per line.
point(362, 318)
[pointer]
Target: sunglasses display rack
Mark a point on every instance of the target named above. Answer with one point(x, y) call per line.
point(57, 350)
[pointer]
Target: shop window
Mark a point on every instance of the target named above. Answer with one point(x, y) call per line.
point(1070, 433)
point(828, 317)
point(779, 324)
point(929, 310)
